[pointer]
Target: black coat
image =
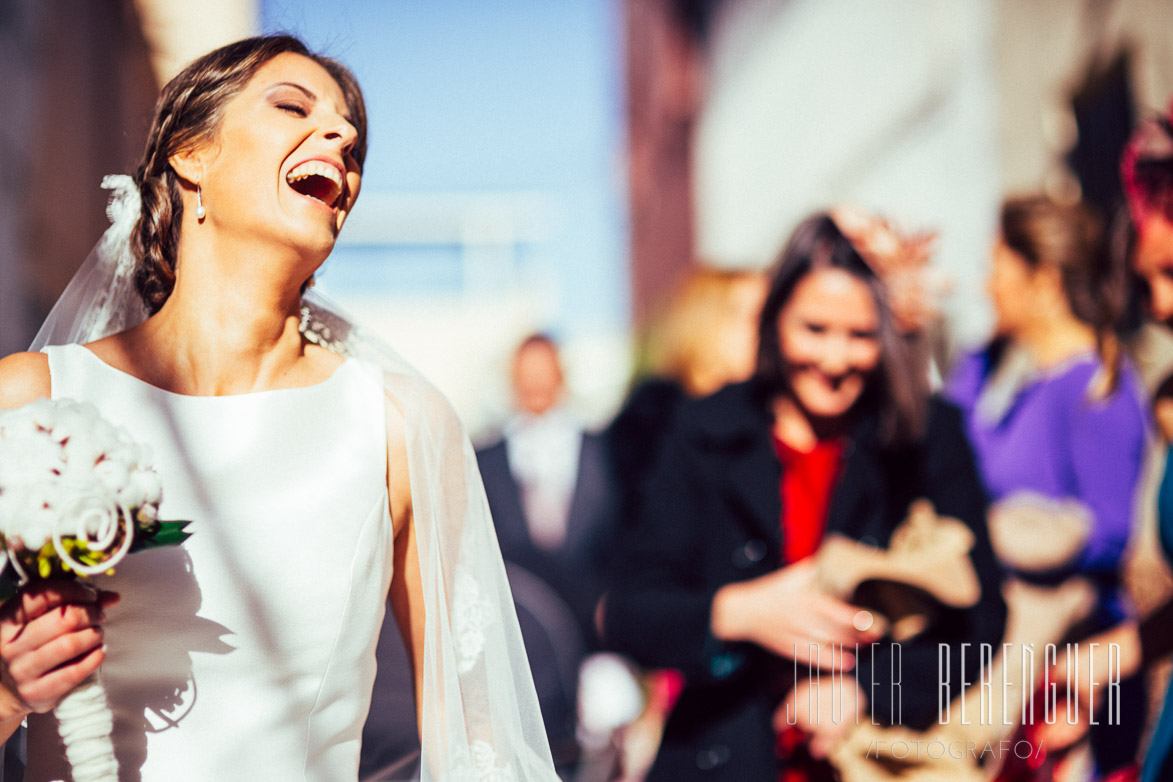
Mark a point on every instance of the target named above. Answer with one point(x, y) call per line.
point(573, 570)
point(711, 514)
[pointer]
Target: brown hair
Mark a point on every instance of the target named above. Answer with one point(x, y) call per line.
point(1070, 238)
point(897, 394)
point(188, 112)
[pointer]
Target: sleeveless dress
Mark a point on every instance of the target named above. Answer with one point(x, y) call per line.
point(249, 651)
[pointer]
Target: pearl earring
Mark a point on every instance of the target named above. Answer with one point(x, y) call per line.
point(200, 213)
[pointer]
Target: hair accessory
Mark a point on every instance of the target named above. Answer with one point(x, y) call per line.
point(201, 213)
point(1146, 168)
point(901, 261)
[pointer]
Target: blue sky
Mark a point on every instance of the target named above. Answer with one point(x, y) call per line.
point(491, 97)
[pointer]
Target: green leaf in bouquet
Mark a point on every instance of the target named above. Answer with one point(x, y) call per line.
point(163, 533)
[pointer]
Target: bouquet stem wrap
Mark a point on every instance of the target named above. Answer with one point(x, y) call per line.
point(85, 723)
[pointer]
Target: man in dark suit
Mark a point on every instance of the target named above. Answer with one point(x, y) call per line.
point(553, 502)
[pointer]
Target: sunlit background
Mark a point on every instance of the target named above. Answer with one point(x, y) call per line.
point(549, 165)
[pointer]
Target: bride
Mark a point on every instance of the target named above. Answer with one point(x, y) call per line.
point(322, 475)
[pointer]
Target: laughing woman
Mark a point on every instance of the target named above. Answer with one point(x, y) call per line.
point(832, 434)
point(322, 476)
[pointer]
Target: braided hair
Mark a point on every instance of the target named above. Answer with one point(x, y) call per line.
point(187, 113)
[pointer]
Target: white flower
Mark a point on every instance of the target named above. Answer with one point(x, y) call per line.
point(18, 424)
point(33, 460)
point(113, 475)
point(66, 472)
point(146, 457)
point(44, 414)
point(144, 490)
point(82, 452)
point(32, 523)
point(63, 421)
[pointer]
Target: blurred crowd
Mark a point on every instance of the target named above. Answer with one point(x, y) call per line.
point(814, 545)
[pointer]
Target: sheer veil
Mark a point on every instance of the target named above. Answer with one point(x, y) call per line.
point(480, 716)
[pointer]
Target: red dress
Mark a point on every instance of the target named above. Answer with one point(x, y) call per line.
point(807, 480)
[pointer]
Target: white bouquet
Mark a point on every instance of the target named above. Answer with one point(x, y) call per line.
point(77, 494)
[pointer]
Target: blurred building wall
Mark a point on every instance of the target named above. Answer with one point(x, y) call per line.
point(78, 81)
point(1046, 51)
point(890, 105)
point(76, 72)
point(178, 31)
point(927, 112)
point(16, 93)
point(664, 49)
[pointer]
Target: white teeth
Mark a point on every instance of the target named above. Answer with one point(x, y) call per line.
point(316, 168)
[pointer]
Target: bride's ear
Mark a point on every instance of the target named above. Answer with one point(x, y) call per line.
point(189, 165)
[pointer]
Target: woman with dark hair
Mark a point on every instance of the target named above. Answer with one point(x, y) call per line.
point(1147, 171)
point(1057, 417)
point(322, 476)
point(834, 434)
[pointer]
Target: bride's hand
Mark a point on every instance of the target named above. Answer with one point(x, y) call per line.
point(786, 613)
point(51, 640)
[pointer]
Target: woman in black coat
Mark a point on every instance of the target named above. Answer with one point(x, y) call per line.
point(714, 579)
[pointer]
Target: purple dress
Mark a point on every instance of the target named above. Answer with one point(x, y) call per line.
point(1046, 435)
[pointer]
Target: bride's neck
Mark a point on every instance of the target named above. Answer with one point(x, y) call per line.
point(229, 326)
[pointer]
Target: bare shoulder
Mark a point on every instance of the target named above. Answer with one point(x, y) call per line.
point(23, 378)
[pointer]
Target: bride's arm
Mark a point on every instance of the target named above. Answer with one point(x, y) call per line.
point(50, 638)
point(407, 598)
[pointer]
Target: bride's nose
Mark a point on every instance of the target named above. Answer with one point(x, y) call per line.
point(342, 132)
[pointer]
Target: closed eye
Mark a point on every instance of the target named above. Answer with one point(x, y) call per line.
point(862, 334)
point(293, 108)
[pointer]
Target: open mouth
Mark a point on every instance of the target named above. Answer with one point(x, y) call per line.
point(317, 180)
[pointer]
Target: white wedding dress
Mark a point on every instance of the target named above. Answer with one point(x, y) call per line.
point(247, 653)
